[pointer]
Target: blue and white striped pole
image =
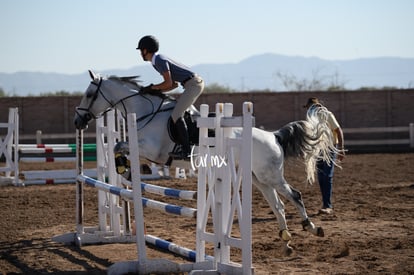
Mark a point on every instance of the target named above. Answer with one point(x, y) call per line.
point(127, 195)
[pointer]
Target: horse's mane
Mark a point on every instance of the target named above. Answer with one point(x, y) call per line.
point(130, 81)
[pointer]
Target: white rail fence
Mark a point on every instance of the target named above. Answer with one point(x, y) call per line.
point(39, 136)
point(380, 130)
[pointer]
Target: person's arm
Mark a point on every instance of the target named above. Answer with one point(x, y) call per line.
point(167, 85)
point(340, 136)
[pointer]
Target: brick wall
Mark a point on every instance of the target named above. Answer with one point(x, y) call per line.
point(353, 109)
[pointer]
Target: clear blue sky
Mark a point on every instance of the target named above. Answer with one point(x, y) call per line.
point(71, 36)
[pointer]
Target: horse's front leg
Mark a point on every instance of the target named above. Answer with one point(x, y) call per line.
point(122, 163)
point(278, 209)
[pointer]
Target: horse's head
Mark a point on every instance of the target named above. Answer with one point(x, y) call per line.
point(93, 103)
point(104, 94)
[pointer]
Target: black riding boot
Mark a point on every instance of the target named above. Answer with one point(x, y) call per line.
point(182, 135)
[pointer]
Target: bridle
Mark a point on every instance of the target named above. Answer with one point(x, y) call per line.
point(89, 115)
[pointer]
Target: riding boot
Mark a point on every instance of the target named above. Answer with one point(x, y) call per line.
point(183, 138)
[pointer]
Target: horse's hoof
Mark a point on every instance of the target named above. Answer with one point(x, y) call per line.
point(287, 250)
point(285, 235)
point(309, 226)
point(320, 232)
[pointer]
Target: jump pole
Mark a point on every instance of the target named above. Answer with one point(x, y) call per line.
point(79, 185)
point(45, 150)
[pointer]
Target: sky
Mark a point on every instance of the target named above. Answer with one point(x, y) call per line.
point(72, 36)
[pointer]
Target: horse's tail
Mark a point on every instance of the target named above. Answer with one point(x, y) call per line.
point(309, 139)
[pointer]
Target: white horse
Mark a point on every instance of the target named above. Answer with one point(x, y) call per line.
point(308, 139)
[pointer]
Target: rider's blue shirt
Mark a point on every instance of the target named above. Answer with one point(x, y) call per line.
point(179, 72)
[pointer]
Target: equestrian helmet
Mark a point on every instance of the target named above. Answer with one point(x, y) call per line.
point(148, 42)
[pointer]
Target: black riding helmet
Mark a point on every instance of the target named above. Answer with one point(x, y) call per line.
point(148, 42)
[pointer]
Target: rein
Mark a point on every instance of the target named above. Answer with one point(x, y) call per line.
point(98, 91)
point(152, 114)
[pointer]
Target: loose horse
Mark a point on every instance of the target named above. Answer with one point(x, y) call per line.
point(308, 139)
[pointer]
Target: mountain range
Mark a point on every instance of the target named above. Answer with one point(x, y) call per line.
point(259, 72)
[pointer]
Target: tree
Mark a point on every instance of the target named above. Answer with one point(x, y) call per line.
point(373, 88)
point(217, 88)
point(316, 83)
point(2, 92)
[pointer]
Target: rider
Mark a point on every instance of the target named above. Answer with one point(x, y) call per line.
point(173, 73)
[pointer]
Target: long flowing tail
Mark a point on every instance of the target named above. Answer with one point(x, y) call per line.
point(309, 139)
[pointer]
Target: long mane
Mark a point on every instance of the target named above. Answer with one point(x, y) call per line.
point(130, 81)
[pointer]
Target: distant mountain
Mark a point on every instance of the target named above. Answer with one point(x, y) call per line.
point(254, 73)
point(261, 72)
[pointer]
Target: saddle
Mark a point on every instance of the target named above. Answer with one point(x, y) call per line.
point(193, 132)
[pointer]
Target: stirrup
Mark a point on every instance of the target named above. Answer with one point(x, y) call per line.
point(178, 153)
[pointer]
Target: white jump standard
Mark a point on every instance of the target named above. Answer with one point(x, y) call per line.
point(204, 263)
point(11, 167)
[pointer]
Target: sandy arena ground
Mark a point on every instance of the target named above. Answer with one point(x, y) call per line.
point(371, 231)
